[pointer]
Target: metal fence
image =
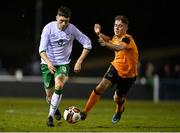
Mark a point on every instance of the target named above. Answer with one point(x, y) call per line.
point(80, 87)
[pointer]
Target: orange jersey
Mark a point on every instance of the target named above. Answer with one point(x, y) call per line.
point(126, 60)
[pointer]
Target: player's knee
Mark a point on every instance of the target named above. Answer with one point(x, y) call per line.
point(118, 98)
point(61, 78)
point(59, 85)
point(102, 87)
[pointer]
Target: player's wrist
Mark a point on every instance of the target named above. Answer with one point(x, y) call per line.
point(98, 33)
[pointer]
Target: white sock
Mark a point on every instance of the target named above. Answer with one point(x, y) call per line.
point(55, 101)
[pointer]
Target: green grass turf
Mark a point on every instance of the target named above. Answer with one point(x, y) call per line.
point(29, 115)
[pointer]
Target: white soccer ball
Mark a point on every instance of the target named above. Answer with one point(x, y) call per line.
point(72, 114)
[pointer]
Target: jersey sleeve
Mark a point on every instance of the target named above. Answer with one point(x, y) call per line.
point(82, 38)
point(44, 39)
point(127, 40)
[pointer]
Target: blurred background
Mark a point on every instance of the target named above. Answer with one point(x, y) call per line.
point(154, 25)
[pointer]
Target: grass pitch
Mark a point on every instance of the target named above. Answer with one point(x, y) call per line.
point(29, 115)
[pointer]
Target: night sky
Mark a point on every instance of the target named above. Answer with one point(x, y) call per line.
point(153, 23)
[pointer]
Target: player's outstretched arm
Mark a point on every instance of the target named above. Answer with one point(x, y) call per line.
point(111, 46)
point(97, 30)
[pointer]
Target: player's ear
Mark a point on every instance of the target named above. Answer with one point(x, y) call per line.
point(126, 27)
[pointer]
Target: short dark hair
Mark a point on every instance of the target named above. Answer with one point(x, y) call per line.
point(64, 11)
point(123, 19)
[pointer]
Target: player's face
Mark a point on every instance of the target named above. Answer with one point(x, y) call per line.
point(119, 28)
point(62, 22)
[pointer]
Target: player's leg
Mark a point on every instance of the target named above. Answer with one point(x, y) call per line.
point(61, 76)
point(123, 87)
point(95, 96)
point(48, 80)
point(49, 93)
point(107, 81)
point(119, 107)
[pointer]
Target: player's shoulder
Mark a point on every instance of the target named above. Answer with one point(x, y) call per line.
point(126, 38)
point(52, 23)
point(71, 26)
point(50, 26)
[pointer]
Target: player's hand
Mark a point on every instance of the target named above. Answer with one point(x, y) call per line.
point(77, 67)
point(52, 69)
point(102, 41)
point(97, 28)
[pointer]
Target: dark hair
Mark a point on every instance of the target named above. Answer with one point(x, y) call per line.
point(123, 19)
point(64, 11)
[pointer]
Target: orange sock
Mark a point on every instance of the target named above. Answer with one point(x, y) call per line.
point(93, 99)
point(120, 106)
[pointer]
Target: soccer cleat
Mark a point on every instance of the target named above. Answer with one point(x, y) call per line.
point(50, 121)
point(116, 117)
point(57, 115)
point(83, 115)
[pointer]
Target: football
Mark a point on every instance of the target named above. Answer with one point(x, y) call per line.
point(72, 114)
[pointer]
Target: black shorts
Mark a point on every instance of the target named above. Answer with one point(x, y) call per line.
point(122, 85)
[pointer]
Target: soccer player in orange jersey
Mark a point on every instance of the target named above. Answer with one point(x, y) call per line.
point(122, 71)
